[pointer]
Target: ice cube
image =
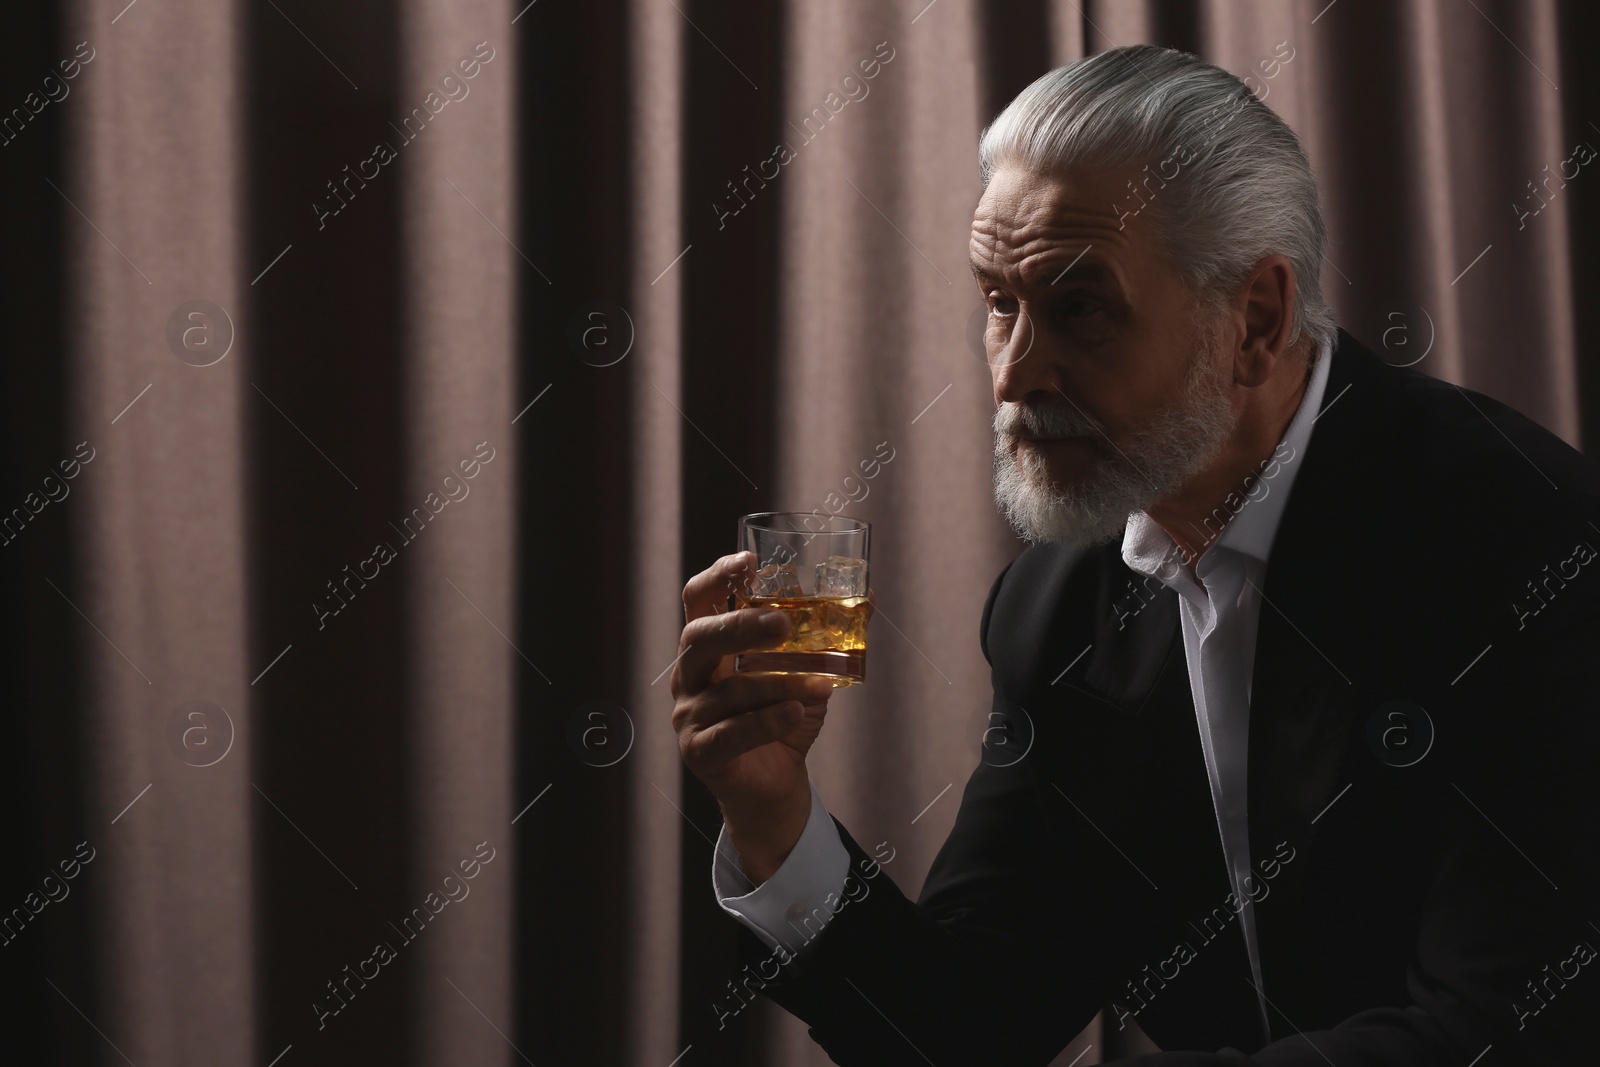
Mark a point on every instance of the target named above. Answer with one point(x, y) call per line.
point(842, 576)
point(777, 579)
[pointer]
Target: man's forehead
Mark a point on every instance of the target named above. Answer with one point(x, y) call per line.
point(1025, 210)
point(1079, 195)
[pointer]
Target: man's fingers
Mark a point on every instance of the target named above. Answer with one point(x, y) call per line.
point(707, 592)
point(709, 638)
point(738, 694)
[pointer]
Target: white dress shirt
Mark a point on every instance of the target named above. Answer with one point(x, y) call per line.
point(1219, 618)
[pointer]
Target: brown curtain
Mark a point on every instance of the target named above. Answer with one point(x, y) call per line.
point(376, 374)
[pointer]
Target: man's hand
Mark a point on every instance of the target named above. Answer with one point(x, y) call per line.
point(745, 735)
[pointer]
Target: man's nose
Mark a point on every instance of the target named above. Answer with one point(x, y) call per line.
point(1022, 367)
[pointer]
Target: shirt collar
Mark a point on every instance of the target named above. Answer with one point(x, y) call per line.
point(1254, 515)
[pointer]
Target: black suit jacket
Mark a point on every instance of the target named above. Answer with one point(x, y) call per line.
point(1436, 553)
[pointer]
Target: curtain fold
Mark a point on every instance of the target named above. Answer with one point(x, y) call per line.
point(153, 228)
point(635, 353)
point(410, 357)
point(462, 658)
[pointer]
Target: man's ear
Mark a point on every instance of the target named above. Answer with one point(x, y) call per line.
point(1266, 302)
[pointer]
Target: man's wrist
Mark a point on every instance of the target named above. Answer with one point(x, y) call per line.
point(763, 844)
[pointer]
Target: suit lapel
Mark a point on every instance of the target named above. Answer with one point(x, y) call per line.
point(1113, 654)
point(1308, 669)
point(1136, 625)
point(1312, 681)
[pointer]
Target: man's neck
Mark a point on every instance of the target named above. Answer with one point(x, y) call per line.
point(1262, 425)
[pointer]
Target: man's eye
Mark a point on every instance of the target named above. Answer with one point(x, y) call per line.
point(1001, 305)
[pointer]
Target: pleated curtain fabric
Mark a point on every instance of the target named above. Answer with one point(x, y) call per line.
point(409, 357)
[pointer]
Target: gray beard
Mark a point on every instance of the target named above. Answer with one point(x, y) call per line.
point(1131, 477)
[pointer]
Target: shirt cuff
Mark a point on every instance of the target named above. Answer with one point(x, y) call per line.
point(790, 908)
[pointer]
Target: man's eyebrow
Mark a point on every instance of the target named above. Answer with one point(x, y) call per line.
point(1080, 269)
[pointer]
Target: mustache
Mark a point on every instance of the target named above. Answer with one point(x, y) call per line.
point(1050, 419)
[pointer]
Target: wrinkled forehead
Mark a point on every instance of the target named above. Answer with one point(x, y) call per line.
point(1025, 215)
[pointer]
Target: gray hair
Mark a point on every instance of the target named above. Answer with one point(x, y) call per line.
point(1246, 190)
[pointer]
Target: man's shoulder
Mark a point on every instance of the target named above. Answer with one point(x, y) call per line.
point(1430, 503)
point(1446, 456)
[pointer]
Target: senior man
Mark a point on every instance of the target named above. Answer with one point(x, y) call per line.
point(1305, 649)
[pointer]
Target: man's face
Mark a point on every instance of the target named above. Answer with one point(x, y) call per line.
point(1113, 387)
